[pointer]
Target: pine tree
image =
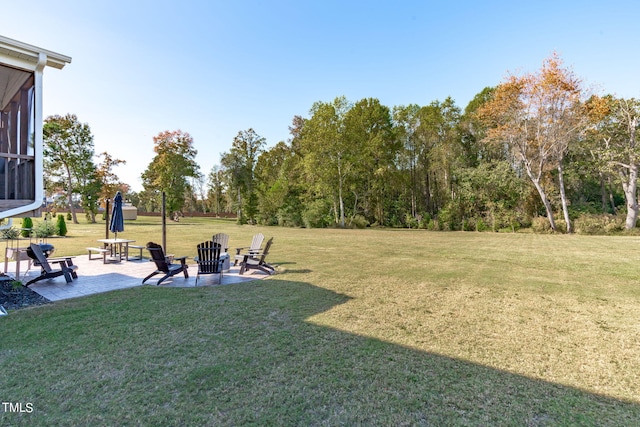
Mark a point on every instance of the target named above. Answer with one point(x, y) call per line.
point(61, 226)
point(27, 225)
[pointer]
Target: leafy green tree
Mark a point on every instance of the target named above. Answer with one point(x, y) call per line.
point(329, 158)
point(173, 163)
point(439, 134)
point(216, 194)
point(473, 131)
point(110, 184)
point(239, 163)
point(369, 130)
point(489, 196)
point(68, 157)
point(272, 182)
point(61, 226)
point(406, 121)
point(617, 146)
point(27, 227)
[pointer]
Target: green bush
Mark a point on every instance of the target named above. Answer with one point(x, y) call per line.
point(359, 221)
point(61, 226)
point(540, 224)
point(10, 233)
point(44, 229)
point(410, 221)
point(598, 224)
point(449, 219)
point(27, 225)
point(70, 217)
point(317, 215)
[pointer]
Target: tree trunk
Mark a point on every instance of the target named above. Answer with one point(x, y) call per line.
point(340, 199)
point(239, 211)
point(70, 196)
point(630, 186)
point(563, 197)
point(603, 193)
point(543, 197)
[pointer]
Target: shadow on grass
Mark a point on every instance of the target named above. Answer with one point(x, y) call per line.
point(248, 354)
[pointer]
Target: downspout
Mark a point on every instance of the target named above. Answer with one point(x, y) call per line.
point(38, 143)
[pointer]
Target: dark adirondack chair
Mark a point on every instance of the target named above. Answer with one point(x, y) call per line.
point(67, 269)
point(256, 260)
point(163, 266)
point(208, 259)
point(223, 240)
point(256, 244)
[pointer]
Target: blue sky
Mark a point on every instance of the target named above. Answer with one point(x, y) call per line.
point(214, 68)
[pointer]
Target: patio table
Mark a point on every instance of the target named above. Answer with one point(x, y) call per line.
point(116, 247)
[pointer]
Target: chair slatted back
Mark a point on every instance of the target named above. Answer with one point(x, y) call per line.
point(209, 257)
point(265, 252)
point(40, 257)
point(256, 243)
point(158, 256)
point(223, 240)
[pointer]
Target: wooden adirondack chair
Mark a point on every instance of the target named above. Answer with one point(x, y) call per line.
point(208, 259)
point(256, 260)
point(223, 240)
point(67, 269)
point(163, 266)
point(256, 244)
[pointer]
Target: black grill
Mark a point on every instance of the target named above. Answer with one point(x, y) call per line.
point(47, 249)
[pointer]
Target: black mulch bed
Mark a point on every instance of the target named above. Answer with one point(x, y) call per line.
point(14, 295)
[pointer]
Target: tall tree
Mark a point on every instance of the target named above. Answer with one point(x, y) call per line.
point(68, 155)
point(369, 131)
point(272, 183)
point(240, 163)
point(618, 148)
point(173, 163)
point(216, 193)
point(110, 183)
point(439, 147)
point(538, 116)
point(328, 156)
point(406, 122)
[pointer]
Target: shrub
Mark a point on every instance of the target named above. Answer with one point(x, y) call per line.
point(317, 215)
point(44, 229)
point(411, 221)
point(10, 233)
point(598, 224)
point(70, 217)
point(540, 224)
point(27, 225)
point(61, 226)
point(359, 221)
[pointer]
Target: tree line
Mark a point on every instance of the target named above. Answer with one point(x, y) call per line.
point(537, 150)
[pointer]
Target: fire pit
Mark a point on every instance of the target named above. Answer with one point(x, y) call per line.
point(47, 249)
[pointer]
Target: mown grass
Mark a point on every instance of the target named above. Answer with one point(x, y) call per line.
point(360, 327)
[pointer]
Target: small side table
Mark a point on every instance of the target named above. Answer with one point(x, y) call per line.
point(18, 255)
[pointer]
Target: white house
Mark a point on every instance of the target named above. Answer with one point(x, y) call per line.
point(21, 182)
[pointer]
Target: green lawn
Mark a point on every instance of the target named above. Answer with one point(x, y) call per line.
point(360, 327)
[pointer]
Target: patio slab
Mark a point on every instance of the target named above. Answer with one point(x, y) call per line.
point(95, 277)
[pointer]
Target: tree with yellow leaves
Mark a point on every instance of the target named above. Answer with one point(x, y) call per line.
point(537, 116)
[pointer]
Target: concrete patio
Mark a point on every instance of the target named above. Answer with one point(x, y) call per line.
point(94, 277)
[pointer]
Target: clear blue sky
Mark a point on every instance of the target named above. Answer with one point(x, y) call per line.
point(213, 68)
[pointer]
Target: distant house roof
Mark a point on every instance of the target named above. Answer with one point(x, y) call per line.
point(26, 56)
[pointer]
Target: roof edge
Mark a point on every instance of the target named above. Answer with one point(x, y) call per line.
point(30, 53)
